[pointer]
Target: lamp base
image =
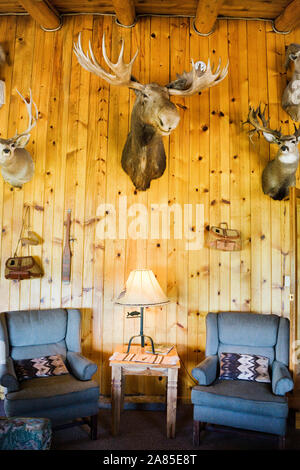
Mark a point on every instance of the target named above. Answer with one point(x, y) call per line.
point(142, 342)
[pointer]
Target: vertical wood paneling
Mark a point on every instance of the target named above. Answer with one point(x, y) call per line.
point(77, 146)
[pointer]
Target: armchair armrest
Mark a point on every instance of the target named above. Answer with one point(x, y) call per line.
point(206, 371)
point(282, 381)
point(8, 378)
point(80, 366)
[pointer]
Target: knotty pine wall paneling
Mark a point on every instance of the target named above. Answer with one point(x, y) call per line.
point(77, 147)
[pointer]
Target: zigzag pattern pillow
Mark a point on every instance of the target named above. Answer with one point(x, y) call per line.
point(244, 367)
point(40, 367)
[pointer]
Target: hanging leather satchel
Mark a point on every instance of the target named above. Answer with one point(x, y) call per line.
point(22, 267)
point(224, 239)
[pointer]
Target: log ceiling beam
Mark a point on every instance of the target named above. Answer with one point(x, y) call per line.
point(43, 13)
point(206, 15)
point(289, 18)
point(125, 12)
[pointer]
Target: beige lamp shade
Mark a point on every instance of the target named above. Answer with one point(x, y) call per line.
point(142, 290)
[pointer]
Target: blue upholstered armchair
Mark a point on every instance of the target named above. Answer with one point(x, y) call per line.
point(242, 403)
point(64, 398)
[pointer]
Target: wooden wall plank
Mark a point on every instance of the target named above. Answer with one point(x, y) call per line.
point(77, 146)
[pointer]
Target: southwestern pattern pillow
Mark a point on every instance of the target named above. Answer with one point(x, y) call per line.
point(40, 367)
point(244, 367)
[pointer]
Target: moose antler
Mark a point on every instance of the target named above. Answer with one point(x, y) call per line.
point(32, 120)
point(122, 72)
point(253, 118)
point(196, 80)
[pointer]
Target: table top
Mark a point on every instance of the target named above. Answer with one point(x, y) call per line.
point(135, 349)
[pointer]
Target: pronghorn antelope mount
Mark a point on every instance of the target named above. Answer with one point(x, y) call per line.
point(291, 94)
point(280, 173)
point(16, 163)
point(153, 114)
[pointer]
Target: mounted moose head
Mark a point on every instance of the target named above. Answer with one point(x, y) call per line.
point(291, 94)
point(279, 174)
point(153, 114)
point(16, 164)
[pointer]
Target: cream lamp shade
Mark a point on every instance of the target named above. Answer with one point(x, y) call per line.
point(142, 290)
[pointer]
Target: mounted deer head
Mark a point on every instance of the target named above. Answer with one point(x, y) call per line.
point(153, 114)
point(16, 164)
point(291, 94)
point(280, 173)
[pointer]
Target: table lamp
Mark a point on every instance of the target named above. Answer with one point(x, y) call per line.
point(142, 290)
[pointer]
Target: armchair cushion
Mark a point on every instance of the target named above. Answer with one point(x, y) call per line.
point(49, 393)
point(244, 367)
point(44, 366)
point(282, 381)
point(206, 371)
point(241, 396)
point(80, 366)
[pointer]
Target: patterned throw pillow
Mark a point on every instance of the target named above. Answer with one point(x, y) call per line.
point(40, 367)
point(244, 367)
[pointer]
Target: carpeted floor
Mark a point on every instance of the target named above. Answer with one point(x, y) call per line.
point(146, 430)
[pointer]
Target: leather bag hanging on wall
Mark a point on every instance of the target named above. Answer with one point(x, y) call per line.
point(224, 239)
point(23, 267)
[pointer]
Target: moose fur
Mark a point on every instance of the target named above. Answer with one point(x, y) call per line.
point(291, 94)
point(153, 116)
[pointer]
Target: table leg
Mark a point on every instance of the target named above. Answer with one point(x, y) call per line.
point(116, 397)
point(171, 402)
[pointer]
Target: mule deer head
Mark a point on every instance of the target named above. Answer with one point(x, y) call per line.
point(280, 173)
point(153, 114)
point(16, 164)
point(291, 94)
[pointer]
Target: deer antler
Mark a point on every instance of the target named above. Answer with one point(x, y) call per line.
point(297, 132)
point(122, 72)
point(196, 80)
point(32, 120)
point(253, 118)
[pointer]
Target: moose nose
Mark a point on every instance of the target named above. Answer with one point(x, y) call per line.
point(284, 147)
point(6, 150)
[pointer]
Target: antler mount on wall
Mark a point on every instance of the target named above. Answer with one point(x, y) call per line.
point(153, 114)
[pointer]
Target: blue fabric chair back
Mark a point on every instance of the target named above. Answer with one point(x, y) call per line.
point(249, 333)
point(36, 333)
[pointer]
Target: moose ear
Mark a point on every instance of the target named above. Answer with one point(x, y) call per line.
point(269, 137)
point(22, 140)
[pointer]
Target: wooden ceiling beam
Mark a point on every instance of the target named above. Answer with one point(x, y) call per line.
point(125, 12)
point(289, 18)
point(206, 15)
point(43, 13)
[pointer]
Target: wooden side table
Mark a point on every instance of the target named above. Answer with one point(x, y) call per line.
point(122, 368)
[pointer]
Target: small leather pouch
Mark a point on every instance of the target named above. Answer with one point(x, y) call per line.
point(22, 267)
point(224, 239)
